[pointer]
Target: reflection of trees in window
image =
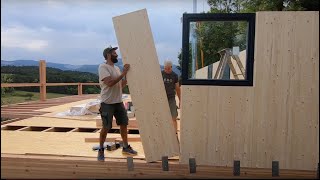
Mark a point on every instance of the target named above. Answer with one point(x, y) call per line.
point(217, 35)
point(189, 61)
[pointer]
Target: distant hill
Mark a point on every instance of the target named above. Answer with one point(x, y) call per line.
point(81, 68)
point(30, 74)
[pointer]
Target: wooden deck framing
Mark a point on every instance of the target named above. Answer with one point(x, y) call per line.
point(37, 166)
point(29, 109)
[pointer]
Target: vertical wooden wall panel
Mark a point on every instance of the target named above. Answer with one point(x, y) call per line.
point(276, 119)
point(305, 86)
point(285, 94)
point(146, 85)
point(194, 134)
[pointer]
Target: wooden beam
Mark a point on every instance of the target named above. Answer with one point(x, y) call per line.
point(47, 84)
point(19, 84)
point(42, 74)
point(62, 84)
point(10, 121)
point(60, 167)
point(87, 84)
point(51, 129)
point(79, 88)
point(27, 128)
point(132, 139)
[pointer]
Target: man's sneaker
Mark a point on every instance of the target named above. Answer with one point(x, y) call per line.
point(101, 155)
point(129, 151)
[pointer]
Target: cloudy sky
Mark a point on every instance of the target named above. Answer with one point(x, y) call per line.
point(76, 31)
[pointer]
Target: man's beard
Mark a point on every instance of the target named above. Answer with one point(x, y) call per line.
point(114, 59)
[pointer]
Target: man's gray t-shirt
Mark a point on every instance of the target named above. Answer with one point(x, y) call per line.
point(110, 95)
point(170, 81)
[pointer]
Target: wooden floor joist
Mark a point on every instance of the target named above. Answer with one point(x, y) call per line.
point(10, 121)
point(35, 166)
point(29, 109)
point(136, 139)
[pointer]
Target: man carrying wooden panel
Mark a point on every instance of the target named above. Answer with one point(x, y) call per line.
point(111, 83)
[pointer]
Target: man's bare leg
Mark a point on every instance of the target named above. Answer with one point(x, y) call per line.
point(175, 124)
point(127, 149)
point(103, 135)
point(124, 135)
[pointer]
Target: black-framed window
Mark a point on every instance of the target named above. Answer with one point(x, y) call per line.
point(218, 49)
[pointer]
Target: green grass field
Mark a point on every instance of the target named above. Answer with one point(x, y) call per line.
point(23, 96)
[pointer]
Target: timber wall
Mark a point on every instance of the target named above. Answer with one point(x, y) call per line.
point(275, 120)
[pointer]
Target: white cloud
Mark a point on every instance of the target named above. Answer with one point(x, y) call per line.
point(76, 32)
point(22, 37)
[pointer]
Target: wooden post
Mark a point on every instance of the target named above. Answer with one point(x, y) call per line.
point(79, 88)
point(43, 79)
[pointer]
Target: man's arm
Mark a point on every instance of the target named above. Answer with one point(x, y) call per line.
point(124, 82)
point(178, 90)
point(109, 81)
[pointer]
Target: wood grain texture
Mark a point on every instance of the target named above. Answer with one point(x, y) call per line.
point(54, 122)
point(146, 85)
point(275, 120)
point(63, 167)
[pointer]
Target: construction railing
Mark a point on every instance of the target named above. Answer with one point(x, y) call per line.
point(43, 84)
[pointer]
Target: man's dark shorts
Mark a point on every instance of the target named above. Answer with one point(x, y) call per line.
point(107, 111)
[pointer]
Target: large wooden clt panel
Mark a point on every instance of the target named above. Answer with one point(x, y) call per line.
point(146, 85)
point(275, 120)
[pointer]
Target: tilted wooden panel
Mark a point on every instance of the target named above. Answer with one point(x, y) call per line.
point(146, 85)
point(276, 119)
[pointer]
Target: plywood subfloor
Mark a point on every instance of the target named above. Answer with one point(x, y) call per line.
point(54, 122)
point(65, 107)
point(58, 143)
point(67, 122)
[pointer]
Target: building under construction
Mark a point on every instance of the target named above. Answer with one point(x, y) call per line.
point(266, 125)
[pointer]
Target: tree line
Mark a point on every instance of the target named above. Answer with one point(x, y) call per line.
point(30, 74)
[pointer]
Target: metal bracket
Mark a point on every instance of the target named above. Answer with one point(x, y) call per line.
point(275, 168)
point(318, 172)
point(236, 168)
point(192, 165)
point(130, 163)
point(165, 165)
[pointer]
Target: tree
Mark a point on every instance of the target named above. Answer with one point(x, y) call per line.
point(280, 5)
point(215, 36)
point(6, 78)
point(179, 66)
point(225, 6)
point(30, 74)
